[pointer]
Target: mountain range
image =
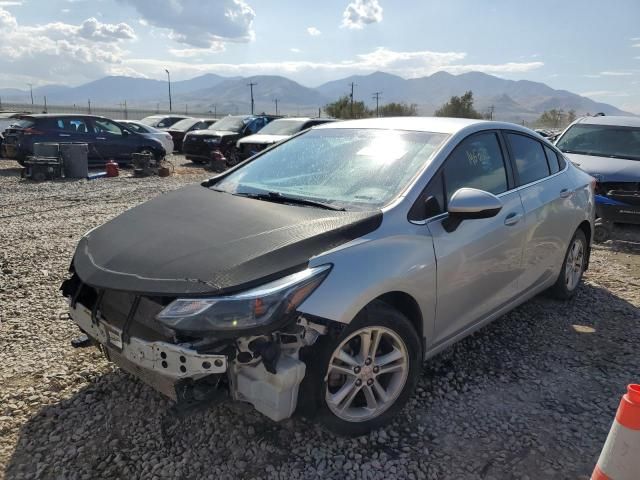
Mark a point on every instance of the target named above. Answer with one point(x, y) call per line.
point(509, 99)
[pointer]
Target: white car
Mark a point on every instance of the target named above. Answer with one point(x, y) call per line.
point(150, 132)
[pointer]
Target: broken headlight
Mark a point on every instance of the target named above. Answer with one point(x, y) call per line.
point(254, 308)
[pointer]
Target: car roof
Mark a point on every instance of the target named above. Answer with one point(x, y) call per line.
point(618, 120)
point(420, 124)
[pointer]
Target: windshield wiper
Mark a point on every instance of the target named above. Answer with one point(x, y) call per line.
point(280, 198)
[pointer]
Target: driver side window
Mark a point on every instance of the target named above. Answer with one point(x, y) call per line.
point(477, 162)
point(105, 126)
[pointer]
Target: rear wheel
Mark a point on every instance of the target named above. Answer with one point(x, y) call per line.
point(572, 268)
point(365, 376)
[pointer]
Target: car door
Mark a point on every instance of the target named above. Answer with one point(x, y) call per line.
point(546, 197)
point(112, 141)
point(479, 264)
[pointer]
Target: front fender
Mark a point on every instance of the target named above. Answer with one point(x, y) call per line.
point(367, 268)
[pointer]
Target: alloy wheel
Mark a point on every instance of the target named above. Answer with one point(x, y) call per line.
point(366, 374)
point(575, 264)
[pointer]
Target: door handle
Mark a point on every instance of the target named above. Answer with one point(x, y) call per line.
point(64, 135)
point(100, 138)
point(512, 218)
point(565, 193)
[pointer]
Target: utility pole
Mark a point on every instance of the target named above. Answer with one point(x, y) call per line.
point(158, 107)
point(186, 109)
point(31, 90)
point(376, 95)
point(169, 81)
point(215, 111)
point(126, 112)
point(351, 97)
point(319, 112)
point(89, 103)
point(276, 101)
point(491, 110)
point(251, 85)
point(45, 104)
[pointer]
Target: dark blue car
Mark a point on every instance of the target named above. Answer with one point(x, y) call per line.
point(106, 139)
point(608, 148)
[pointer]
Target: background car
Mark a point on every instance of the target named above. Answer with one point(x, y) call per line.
point(162, 121)
point(199, 145)
point(106, 138)
point(150, 132)
point(608, 148)
point(6, 119)
point(276, 131)
point(179, 129)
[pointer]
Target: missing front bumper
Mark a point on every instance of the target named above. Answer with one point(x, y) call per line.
point(166, 359)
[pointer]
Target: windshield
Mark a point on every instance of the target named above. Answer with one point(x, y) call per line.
point(283, 127)
point(344, 167)
point(602, 141)
point(185, 124)
point(230, 124)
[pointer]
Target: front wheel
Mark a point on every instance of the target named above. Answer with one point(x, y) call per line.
point(572, 268)
point(365, 376)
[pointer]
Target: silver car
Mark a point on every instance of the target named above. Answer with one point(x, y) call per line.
point(319, 275)
point(150, 132)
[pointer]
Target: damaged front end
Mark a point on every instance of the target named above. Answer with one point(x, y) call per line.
point(196, 349)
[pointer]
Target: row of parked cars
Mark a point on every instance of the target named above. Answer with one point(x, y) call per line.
point(235, 137)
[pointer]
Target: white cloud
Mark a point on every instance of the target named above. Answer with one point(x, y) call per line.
point(616, 74)
point(313, 31)
point(200, 24)
point(360, 13)
point(92, 29)
point(10, 3)
point(502, 68)
point(295, 50)
point(197, 52)
point(591, 75)
point(636, 45)
point(604, 93)
point(143, 22)
point(59, 51)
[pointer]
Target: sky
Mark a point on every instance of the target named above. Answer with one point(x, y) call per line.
point(589, 47)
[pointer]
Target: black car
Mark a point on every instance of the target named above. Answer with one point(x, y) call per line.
point(179, 129)
point(275, 132)
point(199, 145)
point(106, 139)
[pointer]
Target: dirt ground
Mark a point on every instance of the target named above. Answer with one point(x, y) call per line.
point(530, 396)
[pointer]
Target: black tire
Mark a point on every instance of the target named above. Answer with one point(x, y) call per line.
point(314, 388)
point(602, 231)
point(560, 289)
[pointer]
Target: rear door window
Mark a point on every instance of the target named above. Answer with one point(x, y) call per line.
point(552, 159)
point(476, 163)
point(530, 160)
point(71, 125)
point(105, 126)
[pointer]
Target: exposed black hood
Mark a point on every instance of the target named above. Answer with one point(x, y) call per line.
point(196, 241)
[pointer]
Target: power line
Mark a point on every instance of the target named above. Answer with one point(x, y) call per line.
point(376, 96)
point(251, 85)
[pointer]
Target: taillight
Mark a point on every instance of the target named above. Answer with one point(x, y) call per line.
point(31, 131)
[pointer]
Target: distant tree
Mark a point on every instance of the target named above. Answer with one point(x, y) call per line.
point(460, 107)
point(398, 110)
point(341, 108)
point(555, 118)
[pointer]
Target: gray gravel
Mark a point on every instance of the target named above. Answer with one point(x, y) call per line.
point(530, 396)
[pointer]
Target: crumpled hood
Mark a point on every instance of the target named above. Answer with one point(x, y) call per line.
point(608, 169)
point(263, 139)
point(197, 241)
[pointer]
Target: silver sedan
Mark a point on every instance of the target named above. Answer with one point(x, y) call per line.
point(150, 132)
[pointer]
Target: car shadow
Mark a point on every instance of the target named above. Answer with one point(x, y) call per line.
point(537, 370)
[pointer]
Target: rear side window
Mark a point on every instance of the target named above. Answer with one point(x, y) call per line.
point(552, 158)
point(23, 123)
point(71, 125)
point(529, 157)
point(476, 163)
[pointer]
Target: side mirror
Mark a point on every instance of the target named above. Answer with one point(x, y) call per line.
point(468, 204)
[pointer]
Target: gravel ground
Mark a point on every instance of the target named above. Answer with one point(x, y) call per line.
point(530, 396)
